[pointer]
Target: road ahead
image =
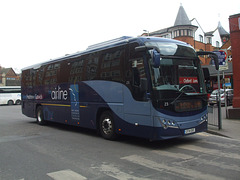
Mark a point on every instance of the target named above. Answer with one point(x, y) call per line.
point(29, 151)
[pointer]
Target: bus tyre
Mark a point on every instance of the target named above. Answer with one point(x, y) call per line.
point(10, 102)
point(106, 126)
point(18, 102)
point(40, 117)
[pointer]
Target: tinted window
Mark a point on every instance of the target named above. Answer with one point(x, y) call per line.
point(111, 64)
point(173, 49)
point(10, 90)
point(51, 73)
point(135, 71)
point(76, 69)
point(102, 65)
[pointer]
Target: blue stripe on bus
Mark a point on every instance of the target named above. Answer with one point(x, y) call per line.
point(122, 105)
point(132, 117)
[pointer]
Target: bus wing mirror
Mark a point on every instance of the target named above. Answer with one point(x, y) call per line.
point(145, 48)
point(155, 54)
point(215, 58)
point(140, 48)
point(212, 55)
point(156, 57)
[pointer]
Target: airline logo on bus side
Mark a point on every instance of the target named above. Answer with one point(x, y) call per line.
point(59, 94)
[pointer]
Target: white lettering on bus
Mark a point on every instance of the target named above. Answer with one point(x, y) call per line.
point(38, 96)
point(59, 94)
point(186, 81)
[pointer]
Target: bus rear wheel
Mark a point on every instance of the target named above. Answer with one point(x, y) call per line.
point(106, 126)
point(18, 102)
point(40, 117)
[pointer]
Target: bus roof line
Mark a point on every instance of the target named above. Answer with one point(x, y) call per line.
point(91, 48)
point(108, 43)
point(99, 46)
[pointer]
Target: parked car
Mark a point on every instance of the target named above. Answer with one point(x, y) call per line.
point(214, 96)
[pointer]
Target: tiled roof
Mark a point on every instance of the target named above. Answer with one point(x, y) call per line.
point(221, 30)
point(182, 18)
point(4, 70)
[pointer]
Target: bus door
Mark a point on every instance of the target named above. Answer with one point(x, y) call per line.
point(137, 106)
point(27, 92)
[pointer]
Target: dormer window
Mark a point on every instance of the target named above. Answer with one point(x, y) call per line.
point(209, 40)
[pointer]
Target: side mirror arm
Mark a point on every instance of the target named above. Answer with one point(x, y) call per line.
point(145, 48)
point(212, 54)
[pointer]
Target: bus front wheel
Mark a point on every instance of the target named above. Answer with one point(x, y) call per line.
point(106, 126)
point(10, 102)
point(40, 117)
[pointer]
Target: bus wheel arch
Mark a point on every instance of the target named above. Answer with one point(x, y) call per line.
point(105, 124)
point(39, 115)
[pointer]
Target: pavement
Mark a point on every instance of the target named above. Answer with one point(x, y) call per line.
point(230, 128)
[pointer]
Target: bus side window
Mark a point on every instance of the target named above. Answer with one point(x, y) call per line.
point(136, 77)
point(111, 64)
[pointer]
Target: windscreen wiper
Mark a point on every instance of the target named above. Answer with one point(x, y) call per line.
point(204, 99)
point(177, 98)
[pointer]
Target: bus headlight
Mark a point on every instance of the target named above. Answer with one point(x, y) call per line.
point(166, 123)
point(173, 123)
point(204, 118)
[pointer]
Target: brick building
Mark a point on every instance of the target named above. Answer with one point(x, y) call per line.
point(191, 32)
point(8, 77)
point(234, 23)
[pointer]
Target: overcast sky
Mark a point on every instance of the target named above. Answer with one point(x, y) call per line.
point(33, 31)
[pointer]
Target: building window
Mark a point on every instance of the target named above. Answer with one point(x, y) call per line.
point(190, 33)
point(11, 78)
point(178, 34)
point(181, 32)
point(200, 38)
point(209, 40)
point(217, 44)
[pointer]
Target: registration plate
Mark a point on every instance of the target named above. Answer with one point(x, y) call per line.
point(188, 131)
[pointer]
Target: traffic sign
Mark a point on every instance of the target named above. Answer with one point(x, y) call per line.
point(222, 59)
point(222, 56)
